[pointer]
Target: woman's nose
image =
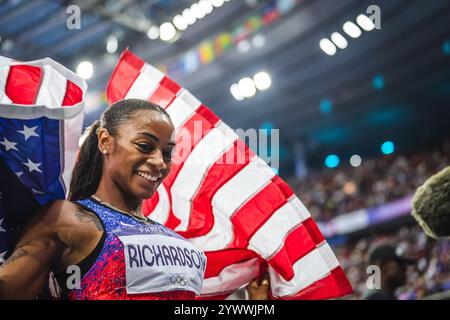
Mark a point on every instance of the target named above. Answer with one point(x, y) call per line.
point(157, 160)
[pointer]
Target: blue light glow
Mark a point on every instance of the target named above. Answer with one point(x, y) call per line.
point(326, 106)
point(378, 82)
point(387, 147)
point(332, 161)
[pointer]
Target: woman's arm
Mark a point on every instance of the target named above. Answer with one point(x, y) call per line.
point(26, 271)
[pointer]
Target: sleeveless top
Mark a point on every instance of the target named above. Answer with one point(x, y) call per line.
point(135, 261)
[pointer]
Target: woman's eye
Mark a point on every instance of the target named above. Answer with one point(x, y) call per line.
point(145, 147)
point(168, 155)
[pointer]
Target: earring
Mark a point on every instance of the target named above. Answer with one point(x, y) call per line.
point(104, 151)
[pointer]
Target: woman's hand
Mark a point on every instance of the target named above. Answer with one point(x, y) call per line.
point(259, 289)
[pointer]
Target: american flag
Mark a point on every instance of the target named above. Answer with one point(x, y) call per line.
point(41, 118)
point(241, 214)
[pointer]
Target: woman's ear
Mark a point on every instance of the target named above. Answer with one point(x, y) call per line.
point(104, 141)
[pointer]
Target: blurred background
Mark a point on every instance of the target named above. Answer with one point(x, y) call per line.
point(359, 90)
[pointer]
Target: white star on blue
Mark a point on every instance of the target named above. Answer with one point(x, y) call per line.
point(9, 144)
point(29, 132)
point(33, 166)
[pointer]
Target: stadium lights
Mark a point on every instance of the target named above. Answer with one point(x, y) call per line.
point(355, 160)
point(258, 41)
point(189, 16)
point(235, 92)
point(327, 46)
point(365, 23)
point(388, 147)
point(153, 33)
point(112, 44)
point(326, 106)
point(206, 6)
point(246, 87)
point(332, 161)
point(197, 11)
point(85, 69)
point(217, 3)
point(351, 29)
point(339, 40)
point(167, 31)
point(243, 46)
point(180, 22)
point(262, 80)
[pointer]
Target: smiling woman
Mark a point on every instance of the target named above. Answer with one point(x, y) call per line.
point(100, 230)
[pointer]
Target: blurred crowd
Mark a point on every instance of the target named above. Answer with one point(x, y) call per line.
point(375, 182)
point(429, 275)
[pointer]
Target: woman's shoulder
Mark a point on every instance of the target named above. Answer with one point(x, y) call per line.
point(57, 208)
point(61, 211)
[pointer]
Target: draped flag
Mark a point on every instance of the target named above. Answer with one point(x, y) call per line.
point(239, 213)
point(41, 118)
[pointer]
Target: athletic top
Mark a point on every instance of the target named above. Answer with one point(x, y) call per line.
point(135, 261)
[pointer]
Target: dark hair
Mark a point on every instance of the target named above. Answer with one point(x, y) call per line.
point(88, 168)
point(431, 205)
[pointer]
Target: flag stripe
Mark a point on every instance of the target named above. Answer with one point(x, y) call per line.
point(146, 83)
point(212, 146)
point(195, 129)
point(313, 267)
point(170, 85)
point(333, 285)
point(23, 82)
point(43, 84)
point(69, 149)
point(74, 94)
point(165, 93)
point(4, 71)
point(298, 243)
point(264, 204)
point(225, 258)
point(52, 89)
point(182, 108)
point(231, 278)
point(201, 219)
point(127, 71)
point(270, 236)
point(242, 186)
point(248, 182)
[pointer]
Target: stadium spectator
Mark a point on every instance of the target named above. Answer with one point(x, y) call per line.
point(393, 272)
point(329, 193)
point(429, 275)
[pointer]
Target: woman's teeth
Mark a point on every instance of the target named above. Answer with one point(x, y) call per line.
point(147, 176)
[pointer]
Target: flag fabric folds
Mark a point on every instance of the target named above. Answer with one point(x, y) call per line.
point(240, 213)
point(41, 118)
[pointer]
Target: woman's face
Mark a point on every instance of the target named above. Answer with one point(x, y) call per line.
point(140, 156)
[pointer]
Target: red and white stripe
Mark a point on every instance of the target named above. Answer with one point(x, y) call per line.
point(45, 88)
point(240, 214)
point(53, 90)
